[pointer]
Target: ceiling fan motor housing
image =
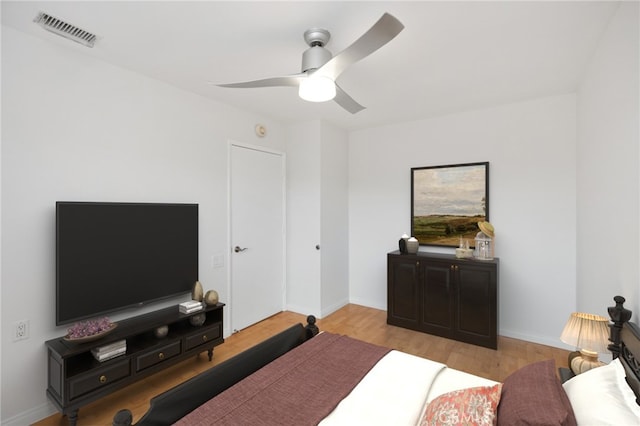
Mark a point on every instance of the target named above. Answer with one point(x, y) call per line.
point(316, 55)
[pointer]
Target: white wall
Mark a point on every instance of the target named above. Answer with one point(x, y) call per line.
point(531, 150)
point(317, 208)
point(334, 206)
point(303, 218)
point(77, 129)
point(608, 169)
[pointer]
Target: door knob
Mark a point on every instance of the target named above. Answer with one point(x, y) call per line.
point(237, 249)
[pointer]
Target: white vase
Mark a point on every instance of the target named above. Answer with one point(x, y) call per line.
point(412, 245)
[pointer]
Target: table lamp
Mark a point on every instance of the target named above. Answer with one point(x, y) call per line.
point(590, 334)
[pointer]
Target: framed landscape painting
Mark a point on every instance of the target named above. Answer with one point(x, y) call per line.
point(447, 202)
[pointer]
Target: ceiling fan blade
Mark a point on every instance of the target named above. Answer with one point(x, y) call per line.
point(346, 101)
point(381, 33)
point(288, 80)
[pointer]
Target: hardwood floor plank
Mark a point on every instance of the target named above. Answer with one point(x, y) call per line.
point(357, 321)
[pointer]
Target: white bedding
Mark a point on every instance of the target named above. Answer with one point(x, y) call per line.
point(404, 382)
point(450, 379)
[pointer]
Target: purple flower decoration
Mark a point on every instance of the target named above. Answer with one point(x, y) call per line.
point(89, 328)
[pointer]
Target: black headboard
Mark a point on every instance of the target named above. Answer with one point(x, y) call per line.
point(625, 343)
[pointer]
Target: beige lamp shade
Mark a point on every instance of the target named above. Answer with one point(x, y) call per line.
point(590, 334)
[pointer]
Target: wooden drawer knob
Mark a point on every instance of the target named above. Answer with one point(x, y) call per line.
point(161, 355)
point(204, 338)
point(103, 379)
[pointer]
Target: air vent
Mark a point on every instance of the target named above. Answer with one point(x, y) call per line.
point(65, 29)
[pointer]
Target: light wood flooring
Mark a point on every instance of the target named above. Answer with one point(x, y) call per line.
point(364, 323)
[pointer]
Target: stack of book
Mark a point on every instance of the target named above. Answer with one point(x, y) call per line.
point(106, 352)
point(190, 307)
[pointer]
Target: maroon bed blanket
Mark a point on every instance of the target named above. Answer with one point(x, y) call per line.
point(300, 388)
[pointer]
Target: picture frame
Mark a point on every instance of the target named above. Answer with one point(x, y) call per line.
point(447, 202)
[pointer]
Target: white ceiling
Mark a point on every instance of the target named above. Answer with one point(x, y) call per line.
point(452, 56)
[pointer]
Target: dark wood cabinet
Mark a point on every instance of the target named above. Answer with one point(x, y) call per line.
point(76, 378)
point(403, 296)
point(445, 296)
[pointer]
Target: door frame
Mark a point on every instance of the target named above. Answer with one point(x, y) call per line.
point(230, 145)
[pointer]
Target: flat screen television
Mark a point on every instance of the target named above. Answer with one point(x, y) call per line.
point(113, 256)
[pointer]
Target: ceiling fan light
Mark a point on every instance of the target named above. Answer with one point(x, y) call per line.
point(317, 89)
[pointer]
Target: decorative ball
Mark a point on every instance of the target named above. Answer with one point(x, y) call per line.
point(196, 293)
point(211, 298)
point(197, 319)
point(161, 331)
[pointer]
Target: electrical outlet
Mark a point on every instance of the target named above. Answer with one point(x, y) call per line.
point(20, 330)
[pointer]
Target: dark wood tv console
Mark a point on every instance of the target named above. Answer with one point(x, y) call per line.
point(76, 378)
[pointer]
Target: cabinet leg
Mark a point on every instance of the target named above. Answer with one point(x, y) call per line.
point(210, 353)
point(73, 417)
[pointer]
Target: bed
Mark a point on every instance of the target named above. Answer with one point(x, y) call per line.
point(302, 377)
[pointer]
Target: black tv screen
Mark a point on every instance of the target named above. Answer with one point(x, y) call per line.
point(112, 256)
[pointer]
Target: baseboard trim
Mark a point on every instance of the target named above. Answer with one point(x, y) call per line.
point(30, 416)
point(323, 312)
point(369, 304)
point(331, 309)
point(541, 340)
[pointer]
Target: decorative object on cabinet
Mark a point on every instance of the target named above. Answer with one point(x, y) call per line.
point(211, 297)
point(412, 245)
point(190, 307)
point(402, 243)
point(464, 251)
point(197, 292)
point(445, 296)
point(198, 319)
point(76, 378)
point(87, 331)
point(161, 331)
point(487, 228)
point(484, 241)
point(590, 334)
point(110, 351)
point(448, 201)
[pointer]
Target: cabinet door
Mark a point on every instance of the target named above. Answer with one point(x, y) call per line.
point(476, 308)
point(437, 298)
point(402, 291)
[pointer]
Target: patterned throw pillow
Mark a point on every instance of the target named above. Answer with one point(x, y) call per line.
point(471, 406)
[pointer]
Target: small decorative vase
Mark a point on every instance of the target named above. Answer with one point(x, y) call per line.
point(197, 292)
point(412, 245)
point(211, 298)
point(402, 243)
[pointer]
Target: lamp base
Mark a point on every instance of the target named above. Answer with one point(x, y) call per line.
point(584, 360)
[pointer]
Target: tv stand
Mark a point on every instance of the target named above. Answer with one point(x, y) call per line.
point(76, 378)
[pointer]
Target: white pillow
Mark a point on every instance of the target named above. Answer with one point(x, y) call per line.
point(602, 397)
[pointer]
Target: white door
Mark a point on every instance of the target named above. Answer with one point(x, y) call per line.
point(257, 212)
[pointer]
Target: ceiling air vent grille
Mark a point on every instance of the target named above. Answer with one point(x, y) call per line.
point(65, 29)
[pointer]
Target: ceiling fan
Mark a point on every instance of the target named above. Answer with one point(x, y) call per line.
point(317, 81)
